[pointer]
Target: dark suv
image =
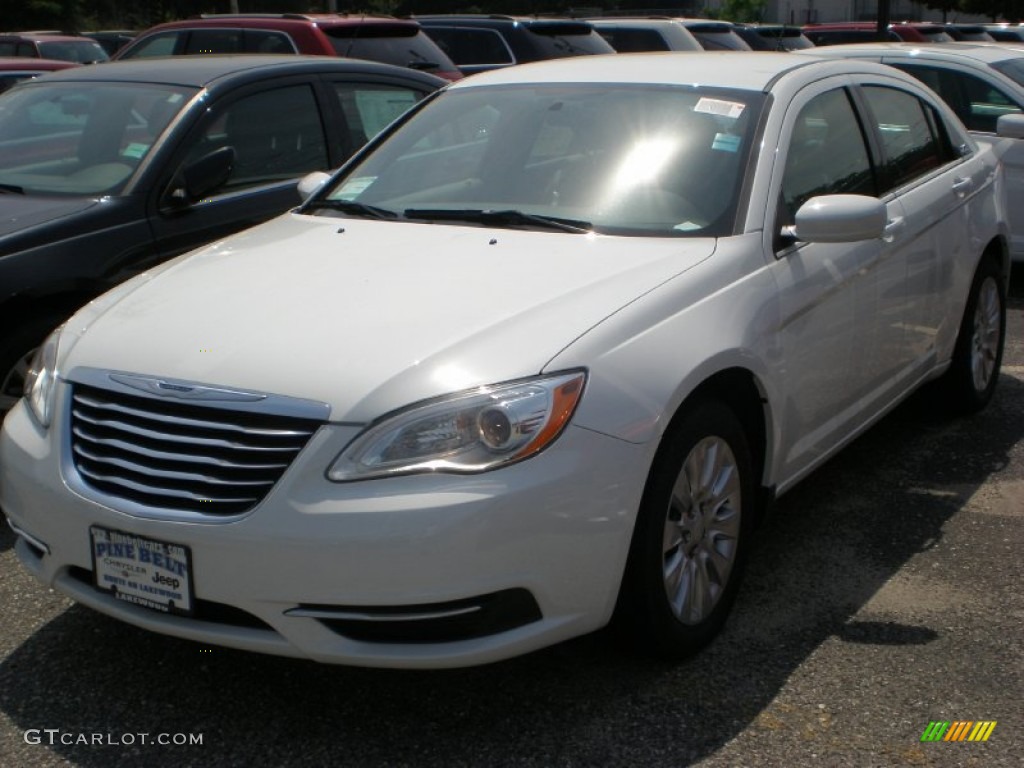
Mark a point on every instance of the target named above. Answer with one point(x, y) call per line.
point(477, 42)
point(400, 42)
point(106, 171)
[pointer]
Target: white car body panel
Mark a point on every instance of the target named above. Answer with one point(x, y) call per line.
point(483, 299)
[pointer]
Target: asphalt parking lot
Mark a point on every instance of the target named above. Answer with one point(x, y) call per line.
point(884, 594)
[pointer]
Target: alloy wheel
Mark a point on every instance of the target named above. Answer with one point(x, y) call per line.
point(702, 530)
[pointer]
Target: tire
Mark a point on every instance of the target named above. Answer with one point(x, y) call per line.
point(970, 382)
point(16, 351)
point(686, 558)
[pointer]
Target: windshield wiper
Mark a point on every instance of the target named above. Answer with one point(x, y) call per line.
point(421, 62)
point(12, 188)
point(352, 208)
point(500, 218)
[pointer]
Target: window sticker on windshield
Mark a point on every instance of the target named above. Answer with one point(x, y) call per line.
point(686, 226)
point(726, 142)
point(174, 98)
point(352, 188)
point(135, 150)
point(730, 109)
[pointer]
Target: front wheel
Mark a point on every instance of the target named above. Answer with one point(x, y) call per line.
point(971, 379)
point(692, 530)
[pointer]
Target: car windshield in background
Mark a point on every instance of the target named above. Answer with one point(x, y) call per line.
point(404, 45)
point(1012, 68)
point(82, 51)
point(555, 39)
point(625, 160)
point(69, 140)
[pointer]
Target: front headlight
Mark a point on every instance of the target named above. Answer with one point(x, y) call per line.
point(41, 379)
point(467, 432)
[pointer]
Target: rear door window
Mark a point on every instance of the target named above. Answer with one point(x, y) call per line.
point(161, 44)
point(369, 108)
point(913, 142)
point(214, 41)
point(268, 41)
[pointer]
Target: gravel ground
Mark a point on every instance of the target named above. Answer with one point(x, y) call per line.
point(884, 593)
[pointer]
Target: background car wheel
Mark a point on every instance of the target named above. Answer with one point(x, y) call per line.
point(689, 543)
point(16, 350)
point(971, 380)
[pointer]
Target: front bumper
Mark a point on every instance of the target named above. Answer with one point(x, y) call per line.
point(552, 532)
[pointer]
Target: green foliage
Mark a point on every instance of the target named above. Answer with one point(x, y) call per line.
point(742, 10)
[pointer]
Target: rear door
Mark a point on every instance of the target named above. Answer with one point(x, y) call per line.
point(979, 98)
point(931, 166)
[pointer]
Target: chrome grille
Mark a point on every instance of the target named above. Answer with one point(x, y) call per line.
point(180, 456)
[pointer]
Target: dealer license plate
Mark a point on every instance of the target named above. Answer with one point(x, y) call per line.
point(154, 574)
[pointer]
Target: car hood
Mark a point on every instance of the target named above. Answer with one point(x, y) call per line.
point(369, 316)
point(18, 213)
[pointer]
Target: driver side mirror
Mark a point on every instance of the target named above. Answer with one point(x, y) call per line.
point(201, 177)
point(839, 219)
point(310, 183)
point(1010, 126)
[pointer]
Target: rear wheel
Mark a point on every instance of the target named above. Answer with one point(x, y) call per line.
point(692, 530)
point(971, 380)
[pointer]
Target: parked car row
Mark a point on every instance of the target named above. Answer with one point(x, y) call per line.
point(106, 171)
point(536, 360)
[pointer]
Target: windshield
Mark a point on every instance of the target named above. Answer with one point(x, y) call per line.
point(554, 40)
point(403, 46)
point(616, 159)
point(1012, 68)
point(66, 139)
point(82, 51)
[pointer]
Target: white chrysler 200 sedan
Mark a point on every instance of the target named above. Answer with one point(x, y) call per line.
point(535, 360)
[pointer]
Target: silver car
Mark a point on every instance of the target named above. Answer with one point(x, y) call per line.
point(981, 82)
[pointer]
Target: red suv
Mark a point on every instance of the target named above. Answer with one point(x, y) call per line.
point(379, 38)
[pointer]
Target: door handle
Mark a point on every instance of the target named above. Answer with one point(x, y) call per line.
point(963, 185)
point(893, 227)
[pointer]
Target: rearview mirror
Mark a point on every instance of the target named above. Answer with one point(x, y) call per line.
point(311, 182)
point(839, 219)
point(1010, 126)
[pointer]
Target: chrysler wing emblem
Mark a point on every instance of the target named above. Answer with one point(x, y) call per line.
point(183, 390)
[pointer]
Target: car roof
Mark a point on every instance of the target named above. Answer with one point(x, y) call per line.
point(982, 52)
point(202, 71)
point(573, 26)
point(747, 70)
point(43, 37)
point(632, 21)
point(280, 21)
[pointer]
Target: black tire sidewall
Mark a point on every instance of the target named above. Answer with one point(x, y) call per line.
point(643, 613)
point(965, 397)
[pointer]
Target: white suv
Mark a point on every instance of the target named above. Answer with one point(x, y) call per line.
point(535, 359)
